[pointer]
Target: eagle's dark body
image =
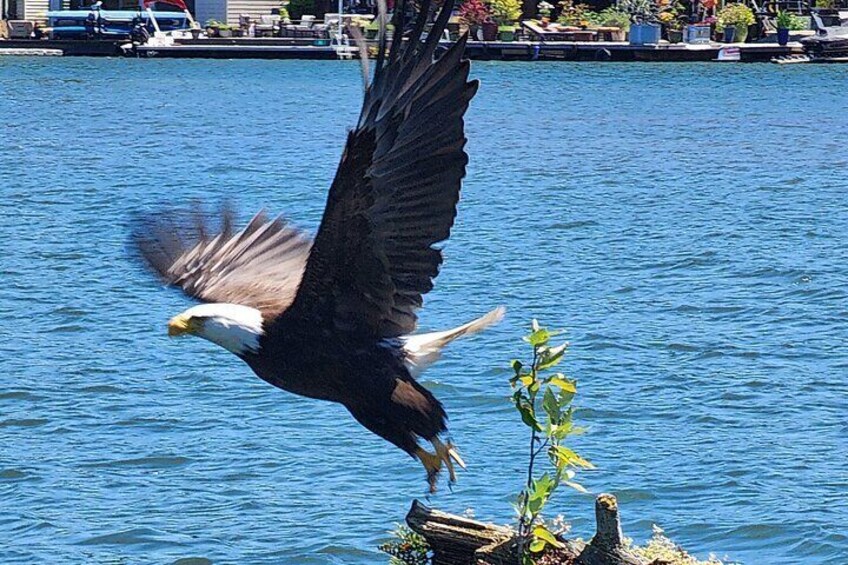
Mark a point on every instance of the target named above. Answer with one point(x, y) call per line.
point(369, 378)
point(336, 311)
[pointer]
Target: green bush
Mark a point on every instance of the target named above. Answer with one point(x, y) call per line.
point(543, 400)
point(406, 548)
point(735, 15)
point(505, 11)
point(613, 17)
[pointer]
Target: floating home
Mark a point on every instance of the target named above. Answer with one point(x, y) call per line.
point(224, 11)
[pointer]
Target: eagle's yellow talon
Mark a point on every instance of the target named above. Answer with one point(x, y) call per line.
point(432, 464)
point(443, 453)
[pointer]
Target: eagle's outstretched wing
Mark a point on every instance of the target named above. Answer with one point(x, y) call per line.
point(260, 266)
point(395, 192)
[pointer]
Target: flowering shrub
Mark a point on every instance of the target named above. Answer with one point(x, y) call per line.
point(474, 12)
point(505, 11)
point(572, 14)
point(733, 15)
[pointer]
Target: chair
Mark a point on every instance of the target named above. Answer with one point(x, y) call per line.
point(244, 23)
point(267, 25)
point(303, 29)
point(830, 31)
point(20, 29)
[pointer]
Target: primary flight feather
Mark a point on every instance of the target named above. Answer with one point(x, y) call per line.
point(332, 318)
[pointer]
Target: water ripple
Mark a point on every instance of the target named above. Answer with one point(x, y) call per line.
point(699, 270)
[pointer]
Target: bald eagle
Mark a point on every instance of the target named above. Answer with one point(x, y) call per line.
point(332, 318)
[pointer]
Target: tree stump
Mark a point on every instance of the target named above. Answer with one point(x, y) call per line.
point(456, 540)
point(606, 547)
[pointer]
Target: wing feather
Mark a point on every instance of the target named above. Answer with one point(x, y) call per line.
point(395, 192)
point(260, 266)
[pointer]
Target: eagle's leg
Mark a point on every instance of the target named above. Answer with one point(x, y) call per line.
point(448, 454)
point(432, 464)
point(445, 454)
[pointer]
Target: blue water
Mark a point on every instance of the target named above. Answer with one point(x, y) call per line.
point(688, 225)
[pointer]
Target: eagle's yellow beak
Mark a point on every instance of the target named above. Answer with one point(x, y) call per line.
point(181, 325)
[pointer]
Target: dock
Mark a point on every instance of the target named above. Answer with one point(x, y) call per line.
point(30, 52)
point(621, 51)
point(287, 48)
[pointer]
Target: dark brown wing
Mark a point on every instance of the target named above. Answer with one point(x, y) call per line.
point(395, 192)
point(260, 266)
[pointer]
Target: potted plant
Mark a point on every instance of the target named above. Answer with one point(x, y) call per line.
point(571, 14)
point(613, 17)
point(783, 22)
point(545, 10)
point(643, 14)
point(225, 30)
point(506, 33)
point(671, 18)
point(736, 17)
point(195, 30)
point(212, 27)
point(283, 11)
point(505, 13)
point(474, 14)
point(787, 22)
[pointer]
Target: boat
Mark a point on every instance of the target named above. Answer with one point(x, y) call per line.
point(830, 44)
point(159, 35)
point(97, 23)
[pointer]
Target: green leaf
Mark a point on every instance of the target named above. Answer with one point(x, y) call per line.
point(538, 338)
point(541, 532)
point(563, 430)
point(551, 405)
point(528, 415)
point(516, 366)
point(537, 545)
point(566, 385)
point(551, 357)
point(565, 398)
point(527, 380)
point(566, 456)
point(576, 486)
point(534, 505)
point(542, 487)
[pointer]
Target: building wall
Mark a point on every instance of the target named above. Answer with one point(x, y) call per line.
point(253, 8)
point(210, 10)
point(36, 9)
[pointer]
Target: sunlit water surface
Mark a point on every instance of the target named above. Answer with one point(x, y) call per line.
point(688, 225)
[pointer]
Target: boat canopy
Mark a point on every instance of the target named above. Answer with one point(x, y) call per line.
point(177, 3)
point(112, 15)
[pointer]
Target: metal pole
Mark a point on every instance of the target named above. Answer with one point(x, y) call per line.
point(153, 20)
point(341, 21)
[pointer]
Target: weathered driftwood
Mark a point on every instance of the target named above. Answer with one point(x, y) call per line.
point(606, 547)
point(456, 540)
point(460, 541)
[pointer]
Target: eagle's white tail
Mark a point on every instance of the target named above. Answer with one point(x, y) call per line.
point(423, 350)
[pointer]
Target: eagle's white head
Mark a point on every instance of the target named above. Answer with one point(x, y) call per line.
point(234, 327)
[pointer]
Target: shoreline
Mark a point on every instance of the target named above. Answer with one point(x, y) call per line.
point(275, 48)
